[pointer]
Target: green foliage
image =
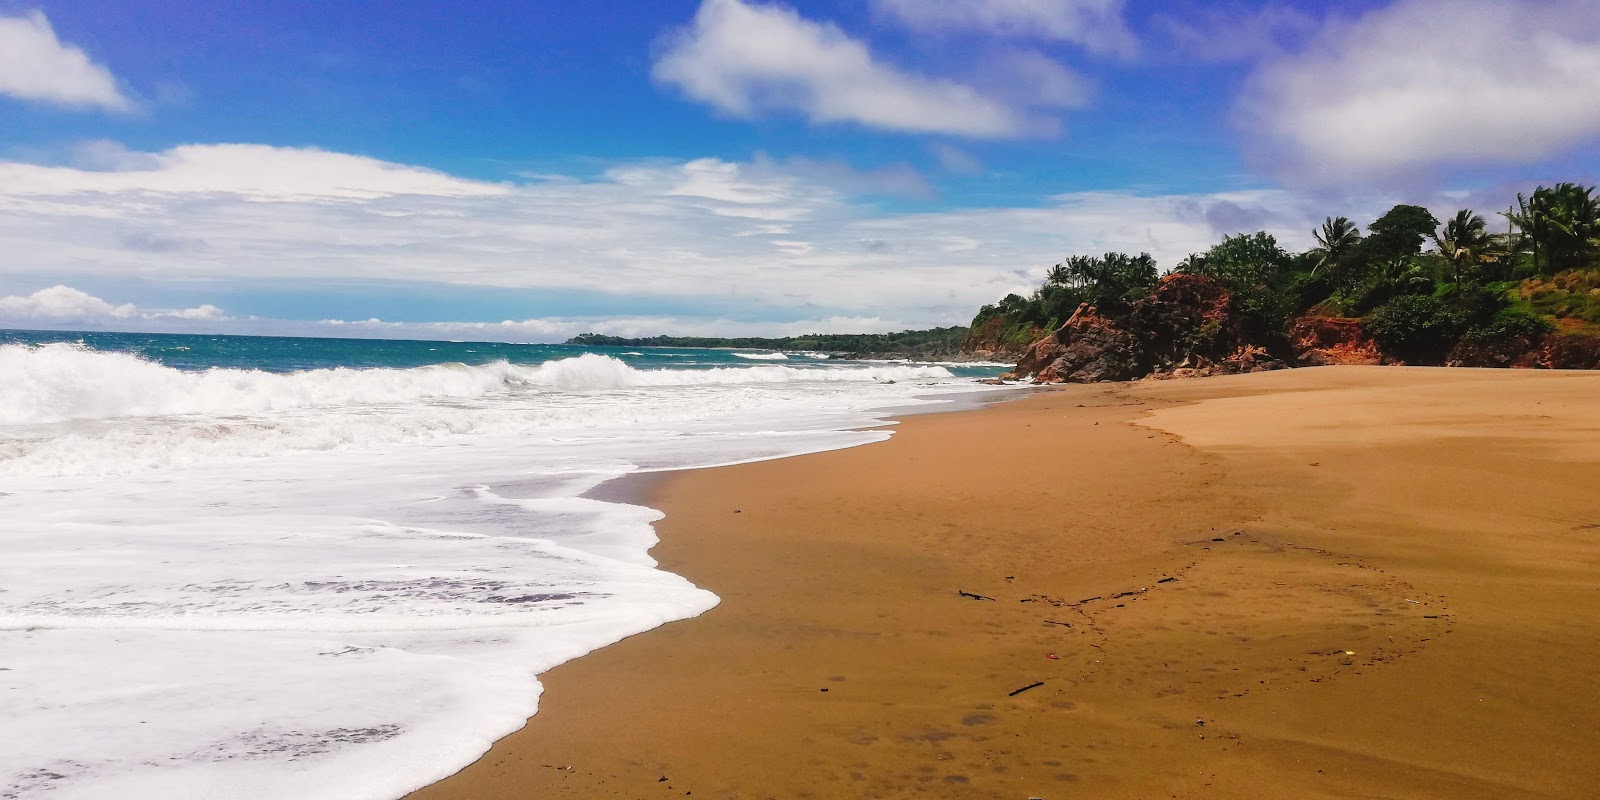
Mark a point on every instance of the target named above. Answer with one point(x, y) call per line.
point(1570, 295)
point(1258, 274)
point(1416, 304)
point(1560, 227)
point(1417, 328)
point(1110, 281)
point(1337, 241)
point(1399, 233)
point(931, 342)
point(1242, 261)
point(1509, 325)
point(1466, 245)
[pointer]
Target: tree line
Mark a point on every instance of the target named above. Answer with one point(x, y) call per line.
point(1418, 284)
point(927, 343)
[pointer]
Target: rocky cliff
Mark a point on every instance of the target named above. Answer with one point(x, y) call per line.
point(994, 339)
point(1188, 326)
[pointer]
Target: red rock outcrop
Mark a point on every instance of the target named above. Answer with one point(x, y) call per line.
point(1187, 326)
point(1322, 341)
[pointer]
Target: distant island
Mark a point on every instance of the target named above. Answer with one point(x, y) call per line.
point(933, 343)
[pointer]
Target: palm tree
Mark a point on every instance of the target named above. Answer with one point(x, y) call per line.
point(1336, 239)
point(1466, 242)
point(1192, 264)
point(1560, 223)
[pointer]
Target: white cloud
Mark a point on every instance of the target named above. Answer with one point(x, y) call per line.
point(745, 59)
point(1233, 31)
point(64, 304)
point(768, 240)
point(61, 302)
point(36, 66)
point(1429, 83)
point(206, 312)
point(259, 172)
point(1095, 25)
point(66, 308)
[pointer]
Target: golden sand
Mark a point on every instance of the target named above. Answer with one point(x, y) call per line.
point(1334, 582)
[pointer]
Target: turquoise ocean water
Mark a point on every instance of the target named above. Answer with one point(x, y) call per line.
point(260, 567)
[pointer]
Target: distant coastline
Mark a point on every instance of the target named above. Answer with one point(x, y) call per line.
point(930, 344)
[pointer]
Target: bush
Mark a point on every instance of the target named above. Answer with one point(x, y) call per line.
point(1568, 295)
point(1511, 324)
point(1416, 328)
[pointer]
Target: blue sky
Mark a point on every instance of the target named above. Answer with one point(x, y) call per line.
point(533, 170)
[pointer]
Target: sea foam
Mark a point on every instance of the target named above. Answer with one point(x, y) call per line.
point(342, 583)
point(55, 382)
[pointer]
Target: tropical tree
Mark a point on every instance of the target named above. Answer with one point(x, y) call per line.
point(1243, 260)
point(1336, 240)
point(1109, 280)
point(1466, 243)
point(1192, 264)
point(1396, 238)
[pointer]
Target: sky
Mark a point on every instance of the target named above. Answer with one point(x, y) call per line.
point(527, 171)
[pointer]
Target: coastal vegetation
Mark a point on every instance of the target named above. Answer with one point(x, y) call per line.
point(930, 343)
point(1409, 288)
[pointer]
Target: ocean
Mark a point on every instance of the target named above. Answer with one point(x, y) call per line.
point(260, 567)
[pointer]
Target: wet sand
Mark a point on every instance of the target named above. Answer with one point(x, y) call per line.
point(1332, 582)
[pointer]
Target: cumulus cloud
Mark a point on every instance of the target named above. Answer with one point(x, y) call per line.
point(1431, 83)
point(745, 59)
point(36, 66)
point(765, 240)
point(64, 304)
point(1095, 25)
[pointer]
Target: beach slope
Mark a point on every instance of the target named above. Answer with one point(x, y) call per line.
point(1333, 582)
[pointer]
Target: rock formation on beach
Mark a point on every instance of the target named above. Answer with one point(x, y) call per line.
point(1187, 327)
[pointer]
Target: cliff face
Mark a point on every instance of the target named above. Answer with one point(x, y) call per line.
point(989, 340)
point(1188, 326)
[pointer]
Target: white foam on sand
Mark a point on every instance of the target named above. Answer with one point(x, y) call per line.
point(342, 583)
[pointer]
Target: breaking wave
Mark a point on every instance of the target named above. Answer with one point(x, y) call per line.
point(59, 382)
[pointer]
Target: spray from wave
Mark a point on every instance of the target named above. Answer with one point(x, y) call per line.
point(59, 382)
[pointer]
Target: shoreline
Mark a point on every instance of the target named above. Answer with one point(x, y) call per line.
point(842, 662)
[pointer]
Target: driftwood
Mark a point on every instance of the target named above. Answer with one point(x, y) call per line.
point(1034, 685)
point(973, 596)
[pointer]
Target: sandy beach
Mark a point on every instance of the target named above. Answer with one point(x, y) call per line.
point(1330, 582)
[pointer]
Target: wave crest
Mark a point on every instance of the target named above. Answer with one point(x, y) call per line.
point(59, 382)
